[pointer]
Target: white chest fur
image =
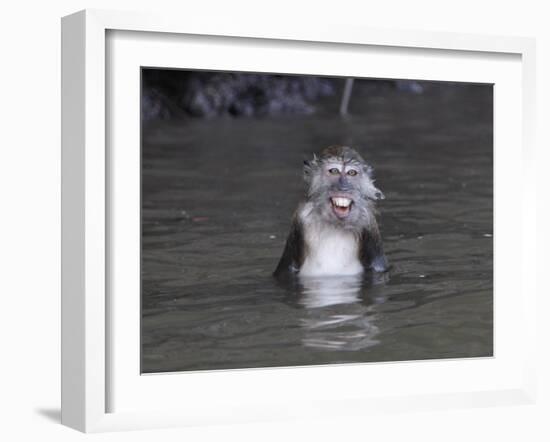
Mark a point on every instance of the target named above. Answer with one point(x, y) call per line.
point(330, 251)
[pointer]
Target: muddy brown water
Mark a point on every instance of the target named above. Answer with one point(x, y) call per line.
point(217, 198)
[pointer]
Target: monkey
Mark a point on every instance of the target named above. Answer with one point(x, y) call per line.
point(334, 229)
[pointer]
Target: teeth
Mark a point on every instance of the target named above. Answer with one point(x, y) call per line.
point(341, 202)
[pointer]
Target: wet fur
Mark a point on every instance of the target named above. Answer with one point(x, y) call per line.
point(318, 243)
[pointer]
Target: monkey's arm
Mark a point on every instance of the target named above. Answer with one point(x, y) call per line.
point(293, 253)
point(372, 252)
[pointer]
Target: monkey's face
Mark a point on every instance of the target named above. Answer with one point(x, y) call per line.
point(342, 187)
point(342, 191)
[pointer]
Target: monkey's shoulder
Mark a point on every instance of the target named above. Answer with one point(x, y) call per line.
point(293, 254)
point(371, 252)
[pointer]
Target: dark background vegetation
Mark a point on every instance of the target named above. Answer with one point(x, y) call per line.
point(180, 94)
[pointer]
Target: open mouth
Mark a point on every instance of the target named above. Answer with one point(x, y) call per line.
point(341, 206)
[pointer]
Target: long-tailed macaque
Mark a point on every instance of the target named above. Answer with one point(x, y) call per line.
point(334, 230)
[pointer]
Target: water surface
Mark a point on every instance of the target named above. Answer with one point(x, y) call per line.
point(217, 198)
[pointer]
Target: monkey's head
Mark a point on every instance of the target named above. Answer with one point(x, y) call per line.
point(340, 188)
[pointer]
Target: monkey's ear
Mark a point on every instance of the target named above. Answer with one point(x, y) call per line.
point(378, 194)
point(370, 171)
point(307, 171)
point(310, 164)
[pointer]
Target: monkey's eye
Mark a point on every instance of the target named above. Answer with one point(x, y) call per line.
point(334, 171)
point(352, 172)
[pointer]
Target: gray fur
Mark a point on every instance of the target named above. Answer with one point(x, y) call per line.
point(317, 214)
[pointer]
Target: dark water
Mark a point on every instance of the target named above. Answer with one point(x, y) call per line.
point(217, 199)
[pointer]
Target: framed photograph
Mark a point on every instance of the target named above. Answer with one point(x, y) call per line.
point(267, 223)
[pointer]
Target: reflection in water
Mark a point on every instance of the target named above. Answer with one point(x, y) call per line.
point(327, 291)
point(217, 200)
point(337, 314)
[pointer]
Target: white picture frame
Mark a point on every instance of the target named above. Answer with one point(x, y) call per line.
point(87, 319)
